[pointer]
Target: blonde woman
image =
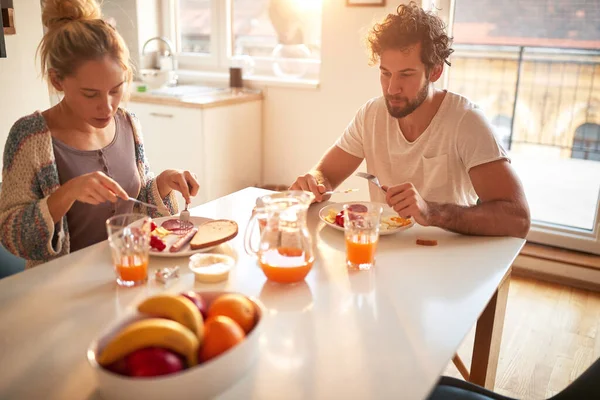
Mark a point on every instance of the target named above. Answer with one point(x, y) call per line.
point(69, 168)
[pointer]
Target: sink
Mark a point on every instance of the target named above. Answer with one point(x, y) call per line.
point(186, 91)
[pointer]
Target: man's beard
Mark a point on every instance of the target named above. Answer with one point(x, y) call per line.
point(411, 105)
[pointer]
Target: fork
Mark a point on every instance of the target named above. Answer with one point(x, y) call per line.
point(184, 219)
point(371, 178)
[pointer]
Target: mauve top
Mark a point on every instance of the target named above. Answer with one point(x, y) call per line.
point(87, 222)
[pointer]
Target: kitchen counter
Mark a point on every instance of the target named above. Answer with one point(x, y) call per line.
point(196, 96)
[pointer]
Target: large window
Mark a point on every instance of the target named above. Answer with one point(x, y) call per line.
point(279, 38)
point(534, 69)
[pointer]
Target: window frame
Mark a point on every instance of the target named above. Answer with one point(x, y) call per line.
point(221, 48)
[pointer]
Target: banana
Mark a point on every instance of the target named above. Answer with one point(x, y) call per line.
point(177, 308)
point(152, 332)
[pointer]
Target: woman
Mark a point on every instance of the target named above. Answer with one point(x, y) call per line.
point(69, 168)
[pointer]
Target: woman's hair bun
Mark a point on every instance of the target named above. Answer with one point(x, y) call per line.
point(58, 12)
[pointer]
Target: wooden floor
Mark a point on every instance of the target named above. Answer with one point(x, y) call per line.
point(551, 335)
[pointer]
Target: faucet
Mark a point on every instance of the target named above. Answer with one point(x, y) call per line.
point(169, 45)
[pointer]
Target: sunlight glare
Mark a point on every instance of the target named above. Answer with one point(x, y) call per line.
point(308, 5)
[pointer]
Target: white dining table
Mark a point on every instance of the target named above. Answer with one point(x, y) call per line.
point(384, 333)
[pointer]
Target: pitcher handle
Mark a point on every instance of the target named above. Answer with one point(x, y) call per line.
point(248, 235)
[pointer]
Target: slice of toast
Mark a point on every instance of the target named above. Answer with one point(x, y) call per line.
point(214, 233)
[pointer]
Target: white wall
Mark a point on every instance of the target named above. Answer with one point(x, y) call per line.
point(137, 21)
point(148, 13)
point(124, 13)
point(22, 90)
point(301, 124)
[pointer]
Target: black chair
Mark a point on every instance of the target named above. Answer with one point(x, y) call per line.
point(587, 386)
point(9, 263)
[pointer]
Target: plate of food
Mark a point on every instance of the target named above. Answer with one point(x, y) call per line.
point(333, 216)
point(168, 240)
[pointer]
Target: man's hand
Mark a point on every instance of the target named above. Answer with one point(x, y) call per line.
point(407, 202)
point(335, 166)
point(502, 209)
point(310, 183)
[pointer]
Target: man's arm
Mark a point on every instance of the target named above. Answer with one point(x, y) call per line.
point(503, 208)
point(335, 166)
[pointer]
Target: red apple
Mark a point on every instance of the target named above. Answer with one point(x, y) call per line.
point(153, 361)
point(198, 301)
point(119, 367)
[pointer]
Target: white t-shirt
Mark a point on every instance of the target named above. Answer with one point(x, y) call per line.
point(458, 138)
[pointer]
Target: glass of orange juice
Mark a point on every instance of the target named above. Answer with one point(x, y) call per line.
point(361, 226)
point(129, 240)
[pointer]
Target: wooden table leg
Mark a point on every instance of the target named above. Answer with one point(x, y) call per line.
point(460, 366)
point(488, 335)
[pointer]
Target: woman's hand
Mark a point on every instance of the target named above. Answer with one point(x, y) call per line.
point(184, 182)
point(92, 188)
point(95, 188)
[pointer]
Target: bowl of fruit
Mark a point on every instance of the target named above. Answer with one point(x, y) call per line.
point(191, 345)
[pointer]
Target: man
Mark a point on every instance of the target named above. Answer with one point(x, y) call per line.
point(433, 150)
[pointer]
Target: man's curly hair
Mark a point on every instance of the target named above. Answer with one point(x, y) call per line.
point(409, 26)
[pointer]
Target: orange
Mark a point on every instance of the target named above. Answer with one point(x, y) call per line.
point(220, 334)
point(236, 307)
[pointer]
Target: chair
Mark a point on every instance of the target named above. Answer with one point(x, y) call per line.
point(9, 263)
point(587, 386)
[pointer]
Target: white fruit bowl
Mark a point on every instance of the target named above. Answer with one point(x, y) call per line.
point(203, 381)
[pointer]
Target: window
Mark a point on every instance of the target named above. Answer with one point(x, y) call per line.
point(266, 37)
point(253, 31)
point(534, 68)
point(502, 123)
point(195, 26)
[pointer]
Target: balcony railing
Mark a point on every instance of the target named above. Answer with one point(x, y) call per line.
point(534, 96)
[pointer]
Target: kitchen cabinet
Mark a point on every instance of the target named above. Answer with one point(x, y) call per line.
point(222, 145)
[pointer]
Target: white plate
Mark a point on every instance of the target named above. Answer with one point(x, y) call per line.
point(170, 239)
point(387, 212)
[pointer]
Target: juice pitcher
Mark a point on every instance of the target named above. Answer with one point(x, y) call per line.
point(285, 251)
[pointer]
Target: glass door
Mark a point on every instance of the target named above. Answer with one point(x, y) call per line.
point(535, 71)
